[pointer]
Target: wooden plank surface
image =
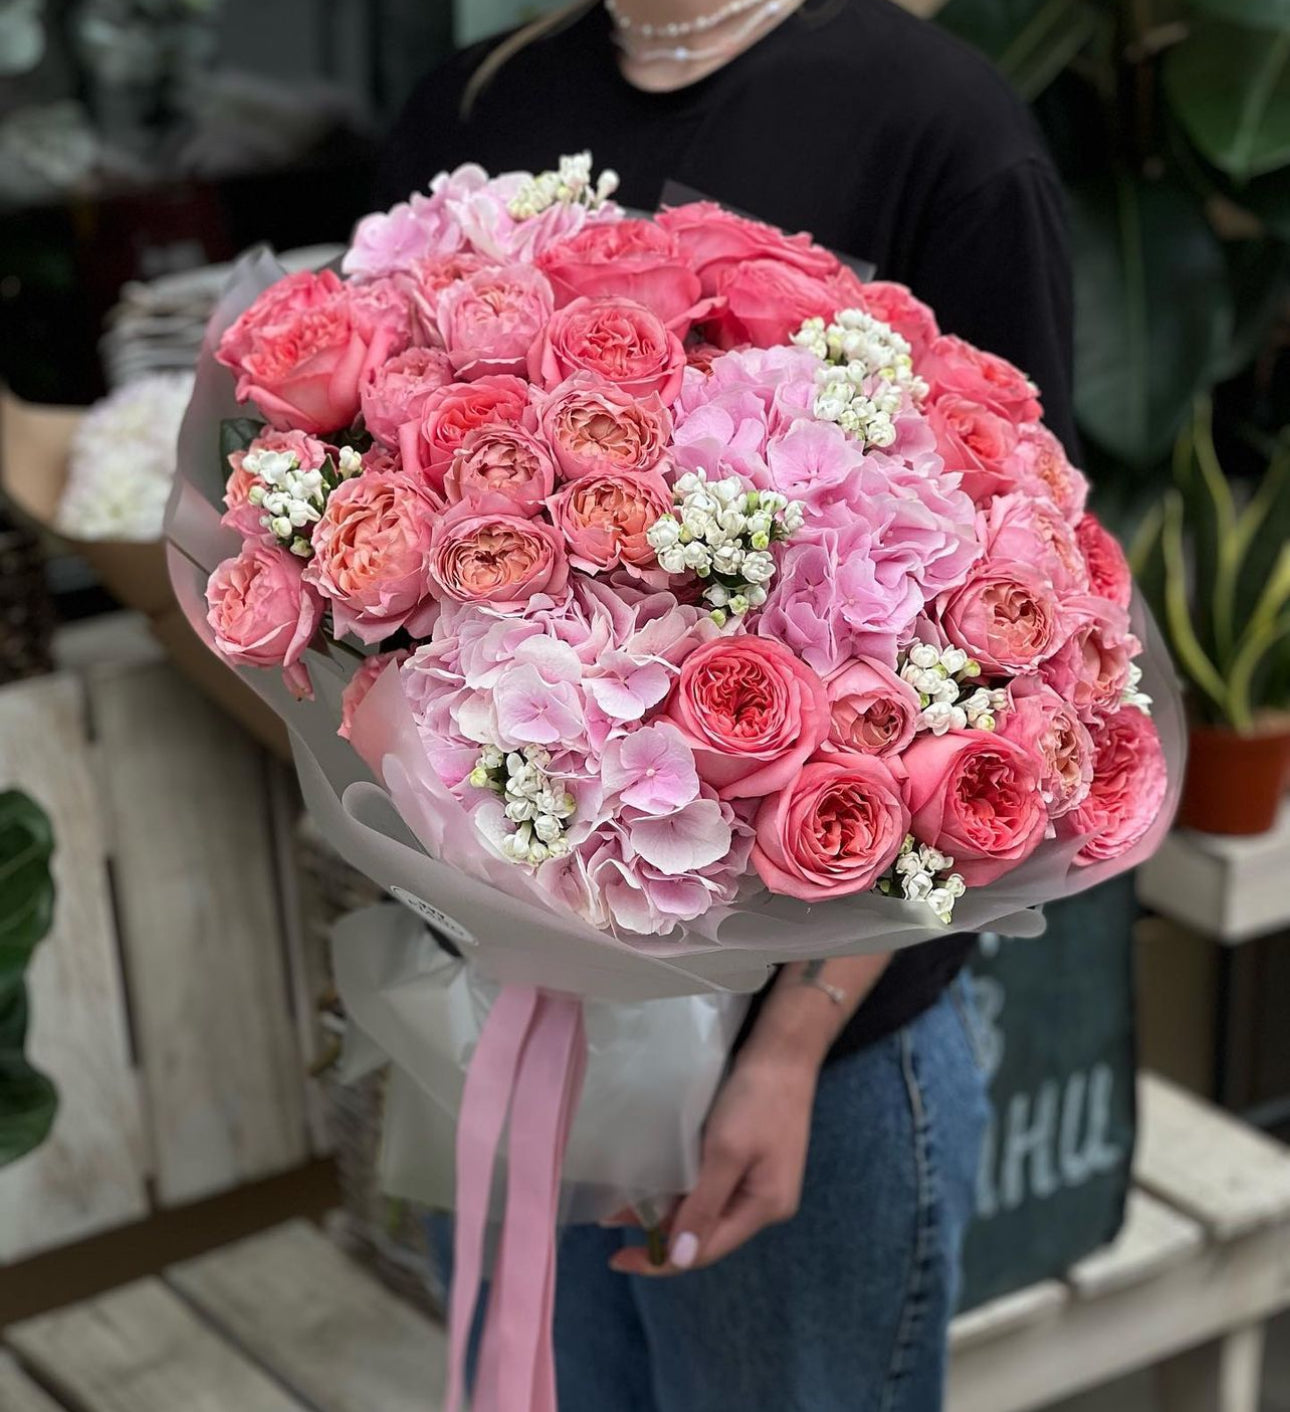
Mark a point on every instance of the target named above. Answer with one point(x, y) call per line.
point(1034, 1304)
point(89, 1175)
point(1222, 1288)
point(186, 794)
point(18, 1393)
point(324, 1326)
point(1208, 1164)
point(139, 1349)
point(1154, 1238)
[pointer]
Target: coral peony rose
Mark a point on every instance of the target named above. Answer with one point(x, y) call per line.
point(1091, 668)
point(371, 555)
point(451, 413)
point(630, 259)
point(976, 442)
point(712, 239)
point(487, 553)
point(900, 310)
point(976, 796)
point(1050, 728)
point(616, 339)
point(832, 830)
point(396, 392)
point(240, 514)
point(604, 519)
point(1043, 468)
point(1108, 570)
point(299, 353)
point(593, 426)
point(764, 301)
point(1019, 529)
point(488, 320)
point(954, 367)
point(363, 680)
point(752, 712)
point(1130, 781)
point(263, 613)
point(1007, 616)
point(873, 711)
point(506, 461)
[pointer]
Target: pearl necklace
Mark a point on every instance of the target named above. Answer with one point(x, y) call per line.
point(679, 29)
point(763, 10)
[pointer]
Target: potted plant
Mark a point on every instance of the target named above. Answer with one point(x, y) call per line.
point(27, 1097)
point(1217, 570)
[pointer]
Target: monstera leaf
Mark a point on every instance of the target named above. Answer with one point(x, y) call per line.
point(27, 1097)
point(1230, 87)
point(1153, 312)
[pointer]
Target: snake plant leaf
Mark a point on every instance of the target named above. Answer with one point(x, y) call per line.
point(1153, 312)
point(1264, 529)
point(1147, 559)
point(27, 1098)
point(1257, 675)
point(1189, 655)
point(1230, 88)
point(1265, 631)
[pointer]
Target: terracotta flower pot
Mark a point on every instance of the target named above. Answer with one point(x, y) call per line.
point(1234, 783)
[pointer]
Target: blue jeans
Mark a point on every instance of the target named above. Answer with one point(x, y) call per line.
point(844, 1308)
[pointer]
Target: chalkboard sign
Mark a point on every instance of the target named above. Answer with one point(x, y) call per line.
point(1056, 1028)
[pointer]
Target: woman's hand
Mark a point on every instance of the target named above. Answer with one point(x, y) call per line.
point(754, 1158)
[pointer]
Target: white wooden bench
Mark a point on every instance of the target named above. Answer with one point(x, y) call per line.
point(283, 1322)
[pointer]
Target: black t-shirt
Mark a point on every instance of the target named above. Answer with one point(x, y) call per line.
point(883, 136)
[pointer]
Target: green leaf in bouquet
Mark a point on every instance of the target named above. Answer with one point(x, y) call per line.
point(1230, 88)
point(1153, 312)
point(236, 434)
point(27, 1098)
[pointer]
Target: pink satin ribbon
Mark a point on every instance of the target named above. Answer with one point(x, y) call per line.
point(529, 1063)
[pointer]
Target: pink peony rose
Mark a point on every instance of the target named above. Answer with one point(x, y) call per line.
point(363, 680)
point(954, 367)
point(300, 355)
point(873, 711)
point(1007, 616)
point(752, 713)
point(593, 426)
point(1108, 570)
point(486, 553)
point(427, 279)
point(385, 301)
point(396, 391)
point(239, 513)
point(1130, 780)
point(1018, 529)
point(976, 442)
point(263, 613)
point(616, 339)
point(451, 413)
point(897, 307)
point(488, 321)
point(371, 555)
point(631, 259)
point(604, 519)
point(976, 797)
point(1051, 730)
point(833, 830)
point(1091, 669)
point(504, 461)
point(1042, 468)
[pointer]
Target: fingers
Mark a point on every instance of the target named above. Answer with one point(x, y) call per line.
point(698, 1215)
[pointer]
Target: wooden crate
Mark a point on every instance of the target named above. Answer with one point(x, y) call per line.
point(168, 1003)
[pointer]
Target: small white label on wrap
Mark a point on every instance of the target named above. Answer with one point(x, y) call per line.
point(441, 921)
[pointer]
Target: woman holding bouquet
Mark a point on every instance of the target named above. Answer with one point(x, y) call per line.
point(814, 1268)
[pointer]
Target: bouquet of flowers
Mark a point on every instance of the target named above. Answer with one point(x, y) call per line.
point(694, 604)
